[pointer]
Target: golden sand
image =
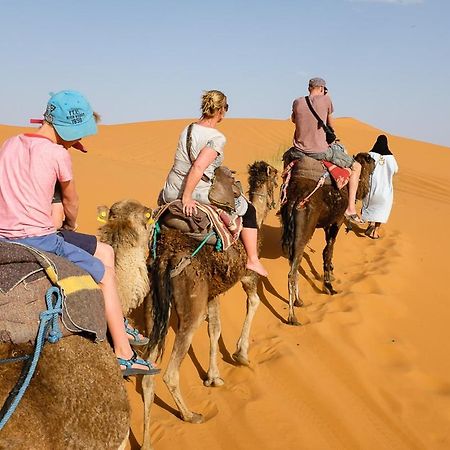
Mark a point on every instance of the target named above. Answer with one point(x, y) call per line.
point(369, 368)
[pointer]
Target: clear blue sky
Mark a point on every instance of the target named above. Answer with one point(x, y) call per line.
point(386, 62)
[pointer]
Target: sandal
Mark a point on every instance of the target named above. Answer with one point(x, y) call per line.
point(137, 340)
point(369, 230)
point(354, 218)
point(130, 370)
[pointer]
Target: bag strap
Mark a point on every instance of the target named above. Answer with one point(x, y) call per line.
point(189, 149)
point(321, 122)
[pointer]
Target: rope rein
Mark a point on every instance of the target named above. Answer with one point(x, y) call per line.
point(49, 321)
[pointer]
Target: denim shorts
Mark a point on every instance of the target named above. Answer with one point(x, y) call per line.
point(53, 243)
point(87, 242)
point(335, 154)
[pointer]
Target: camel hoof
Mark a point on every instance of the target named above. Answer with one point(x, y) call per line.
point(294, 322)
point(237, 357)
point(195, 418)
point(214, 382)
point(298, 303)
point(328, 289)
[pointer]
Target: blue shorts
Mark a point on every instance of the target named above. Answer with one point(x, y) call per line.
point(53, 243)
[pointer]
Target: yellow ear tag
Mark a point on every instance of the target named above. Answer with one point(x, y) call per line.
point(149, 217)
point(102, 217)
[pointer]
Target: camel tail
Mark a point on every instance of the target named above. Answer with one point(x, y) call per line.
point(288, 224)
point(162, 300)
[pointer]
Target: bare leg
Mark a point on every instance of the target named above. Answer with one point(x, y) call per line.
point(375, 232)
point(214, 330)
point(241, 353)
point(249, 237)
point(352, 188)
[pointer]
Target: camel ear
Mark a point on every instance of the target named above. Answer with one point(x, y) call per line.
point(102, 213)
point(148, 215)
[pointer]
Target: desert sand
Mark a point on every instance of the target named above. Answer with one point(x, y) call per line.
point(369, 368)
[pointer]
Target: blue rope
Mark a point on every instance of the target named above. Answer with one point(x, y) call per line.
point(219, 246)
point(205, 239)
point(48, 321)
point(156, 232)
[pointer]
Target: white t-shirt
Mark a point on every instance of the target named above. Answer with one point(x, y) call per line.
point(201, 137)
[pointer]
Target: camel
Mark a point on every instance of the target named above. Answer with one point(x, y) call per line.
point(193, 293)
point(325, 209)
point(76, 399)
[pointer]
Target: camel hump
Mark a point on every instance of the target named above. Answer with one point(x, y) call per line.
point(26, 276)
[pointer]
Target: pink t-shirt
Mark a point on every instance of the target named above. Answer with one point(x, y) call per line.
point(307, 136)
point(30, 165)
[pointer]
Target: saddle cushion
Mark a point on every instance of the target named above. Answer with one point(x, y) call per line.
point(25, 276)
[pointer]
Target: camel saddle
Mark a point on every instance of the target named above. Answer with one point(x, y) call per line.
point(208, 218)
point(25, 276)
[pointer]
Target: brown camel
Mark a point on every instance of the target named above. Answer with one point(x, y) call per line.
point(325, 209)
point(76, 399)
point(194, 292)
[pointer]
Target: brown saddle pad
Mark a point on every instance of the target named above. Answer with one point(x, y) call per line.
point(25, 276)
point(306, 167)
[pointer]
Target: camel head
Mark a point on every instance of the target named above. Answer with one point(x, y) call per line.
point(125, 223)
point(367, 167)
point(262, 181)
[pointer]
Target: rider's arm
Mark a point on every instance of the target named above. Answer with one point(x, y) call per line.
point(205, 158)
point(70, 204)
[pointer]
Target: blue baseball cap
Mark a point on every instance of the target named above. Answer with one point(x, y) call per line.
point(71, 115)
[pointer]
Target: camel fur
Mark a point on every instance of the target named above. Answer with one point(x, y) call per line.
point(76, 399)
point(325, 210)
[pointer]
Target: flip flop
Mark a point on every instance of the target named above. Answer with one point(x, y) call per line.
point(130, 370)
point(369, 231)
point(137, 340)
point(374, 237)
point(354, 218)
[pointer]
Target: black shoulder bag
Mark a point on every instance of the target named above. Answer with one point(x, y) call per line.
point(330, 136)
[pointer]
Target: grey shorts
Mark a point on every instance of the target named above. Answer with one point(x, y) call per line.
point(335, 154)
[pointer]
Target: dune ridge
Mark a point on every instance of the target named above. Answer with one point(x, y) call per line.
point(369, 368)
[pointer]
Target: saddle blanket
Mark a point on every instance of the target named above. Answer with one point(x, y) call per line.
point(25, 276)
point(227, 227)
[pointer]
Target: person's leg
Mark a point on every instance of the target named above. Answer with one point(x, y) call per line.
point(105, 253)
point(352, 188)
point(249, 237)
point(375, 233)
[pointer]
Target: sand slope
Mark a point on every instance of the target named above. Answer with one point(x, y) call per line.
point(369, 368)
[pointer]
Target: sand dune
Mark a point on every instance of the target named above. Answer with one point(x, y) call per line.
point(369, 368)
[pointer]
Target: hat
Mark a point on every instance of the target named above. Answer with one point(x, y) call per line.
point(317, 82)
point(71, 115)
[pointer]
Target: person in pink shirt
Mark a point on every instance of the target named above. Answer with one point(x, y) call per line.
point(30, 166)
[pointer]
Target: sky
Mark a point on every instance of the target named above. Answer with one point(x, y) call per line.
point(386, 62)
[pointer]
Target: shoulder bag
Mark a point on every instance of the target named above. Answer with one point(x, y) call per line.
point(330, 136)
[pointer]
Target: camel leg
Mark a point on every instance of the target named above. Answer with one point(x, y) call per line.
point(249, 283)
point(191, 313)
point(148, 390)
point(214, 329)
point(306, 220)
point(124, 443)
point(328, 277)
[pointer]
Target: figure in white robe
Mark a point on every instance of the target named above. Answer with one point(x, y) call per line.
point(377, 204)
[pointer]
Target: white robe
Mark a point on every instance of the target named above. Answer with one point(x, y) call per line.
point(377, 204)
